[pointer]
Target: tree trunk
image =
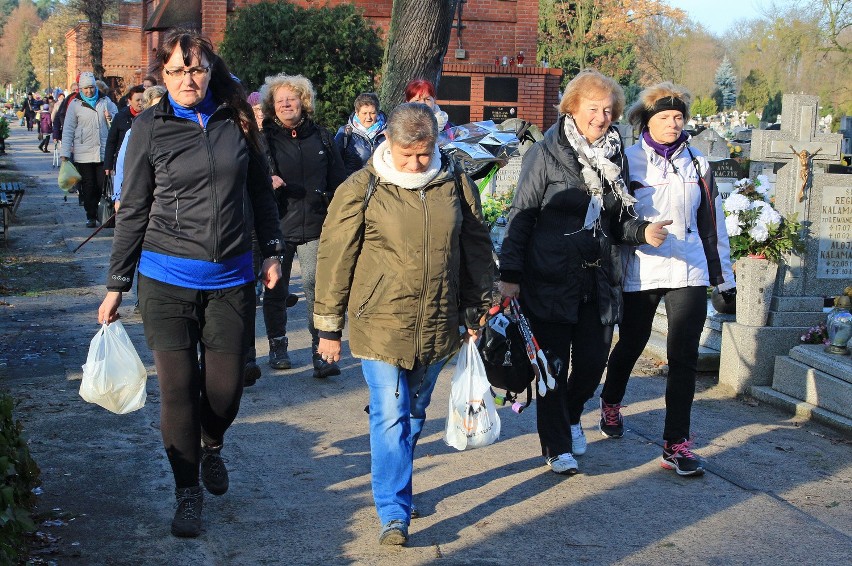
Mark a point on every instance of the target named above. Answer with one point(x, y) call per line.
point(96, 41)
point(416, 44)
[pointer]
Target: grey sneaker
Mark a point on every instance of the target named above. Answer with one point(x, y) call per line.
point(187, 520)
point(278, 356)
point(394, 533)
point(214, 474)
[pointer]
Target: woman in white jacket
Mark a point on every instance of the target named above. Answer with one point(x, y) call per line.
point(670, 180)
point(84, 137)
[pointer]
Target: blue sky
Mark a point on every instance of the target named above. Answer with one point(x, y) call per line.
point(718, 15)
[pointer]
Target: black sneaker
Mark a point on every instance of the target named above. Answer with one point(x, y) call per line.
point(214, 474)
point(251, 373)
point(678, 457)
point(394, 533)
point(278, 356)
point(91, 223)
point(323, 369)
point(187, 520)
point(612, 423)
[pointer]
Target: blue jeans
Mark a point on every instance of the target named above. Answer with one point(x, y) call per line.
point(398, 401)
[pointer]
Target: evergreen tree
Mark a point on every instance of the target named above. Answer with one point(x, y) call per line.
point(26, 78)
point(754, 93)
point(772, 110)
point(336, 48)
point(725, 84)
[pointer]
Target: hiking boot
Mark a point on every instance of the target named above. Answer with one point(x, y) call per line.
point(278, 356)
point(251, 373)
point(564, 464)
point(187, 520)
point(214, 474)
point(394, 533)
point(612, 423)
point(323, 369)
point(578, 440)
point(678, 457)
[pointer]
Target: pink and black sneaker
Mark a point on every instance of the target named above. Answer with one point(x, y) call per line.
point(612, 423)
point(678, 457)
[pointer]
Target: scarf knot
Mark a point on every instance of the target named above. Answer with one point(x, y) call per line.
point(596, 168)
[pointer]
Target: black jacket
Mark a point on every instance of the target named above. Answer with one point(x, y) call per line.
point(557, 263)
point(312, 169)
point(120, 124)
point(355, 147)
point(188, 192)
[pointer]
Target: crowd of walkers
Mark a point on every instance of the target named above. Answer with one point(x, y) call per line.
point(217, 189)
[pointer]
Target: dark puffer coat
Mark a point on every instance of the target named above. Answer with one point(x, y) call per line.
point(308, 161)
point(556, 262)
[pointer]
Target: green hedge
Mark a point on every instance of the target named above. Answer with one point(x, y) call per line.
point(20, 475)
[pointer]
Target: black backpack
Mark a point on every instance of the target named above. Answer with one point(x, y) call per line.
point(505, 358)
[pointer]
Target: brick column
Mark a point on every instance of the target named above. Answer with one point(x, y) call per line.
point(213, 13)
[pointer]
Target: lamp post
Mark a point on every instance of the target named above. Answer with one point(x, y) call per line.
point(49, 53)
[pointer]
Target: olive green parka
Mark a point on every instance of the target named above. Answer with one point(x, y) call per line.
point(408, 269)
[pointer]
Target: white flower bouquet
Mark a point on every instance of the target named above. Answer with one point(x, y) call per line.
point(754, 227)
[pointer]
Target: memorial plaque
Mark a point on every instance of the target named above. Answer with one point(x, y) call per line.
point(730, 168)
point(454, 88)
point(499, 113)
point(835, 234)
point(501, 89)
point(458, 114)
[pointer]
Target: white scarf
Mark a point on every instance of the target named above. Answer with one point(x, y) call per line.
point(596, 167)
point(383, 164)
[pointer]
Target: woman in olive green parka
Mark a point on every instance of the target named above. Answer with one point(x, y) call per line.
point(405, 254)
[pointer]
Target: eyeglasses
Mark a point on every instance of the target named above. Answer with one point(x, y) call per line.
point(194, 72)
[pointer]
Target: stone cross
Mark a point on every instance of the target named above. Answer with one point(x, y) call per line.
point(799, 121)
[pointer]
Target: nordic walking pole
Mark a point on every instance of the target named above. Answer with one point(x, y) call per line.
point(95, 233)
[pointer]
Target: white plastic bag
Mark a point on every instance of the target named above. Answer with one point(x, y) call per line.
point(472, 421)
point(113, 375)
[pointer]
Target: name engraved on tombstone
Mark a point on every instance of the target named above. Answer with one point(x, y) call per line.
point(835, 234)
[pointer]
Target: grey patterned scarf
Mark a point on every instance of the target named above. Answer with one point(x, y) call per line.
point(596, 168)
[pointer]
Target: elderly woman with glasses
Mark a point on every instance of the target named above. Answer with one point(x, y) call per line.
point(560, 258)
point(193, 169)
point(405, 253)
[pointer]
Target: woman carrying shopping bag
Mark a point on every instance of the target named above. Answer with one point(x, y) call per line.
point(404, 252)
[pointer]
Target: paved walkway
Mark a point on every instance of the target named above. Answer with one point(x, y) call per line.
point(777, 491)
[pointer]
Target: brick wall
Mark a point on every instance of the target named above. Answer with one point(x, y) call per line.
point(122, 54)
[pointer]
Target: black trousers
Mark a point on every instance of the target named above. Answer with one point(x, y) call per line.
point(91, 187)
point(686, 308)
point(585, 345)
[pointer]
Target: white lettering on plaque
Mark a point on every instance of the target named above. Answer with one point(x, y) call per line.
point(835, 234)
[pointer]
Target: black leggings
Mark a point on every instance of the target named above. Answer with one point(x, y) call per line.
point(191, 393)
point(586, 345)
point(91, 187)
point(686, 309)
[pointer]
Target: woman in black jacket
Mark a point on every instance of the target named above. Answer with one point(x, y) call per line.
point(306, 170)
point(362, 134)
point(560, 256)
point(193, 164)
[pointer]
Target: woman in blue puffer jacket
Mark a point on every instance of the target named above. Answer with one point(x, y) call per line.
point(363, 133)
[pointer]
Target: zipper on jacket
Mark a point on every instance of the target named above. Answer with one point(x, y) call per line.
point(421, 306)
point(215, 195)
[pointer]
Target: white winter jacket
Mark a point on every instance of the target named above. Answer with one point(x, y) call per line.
point(85, 130)
point(694, 253)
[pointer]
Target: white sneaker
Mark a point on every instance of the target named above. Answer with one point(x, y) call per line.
point(564, 464)
point(578, 440)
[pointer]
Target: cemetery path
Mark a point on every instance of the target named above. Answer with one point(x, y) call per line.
point(777, 491)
